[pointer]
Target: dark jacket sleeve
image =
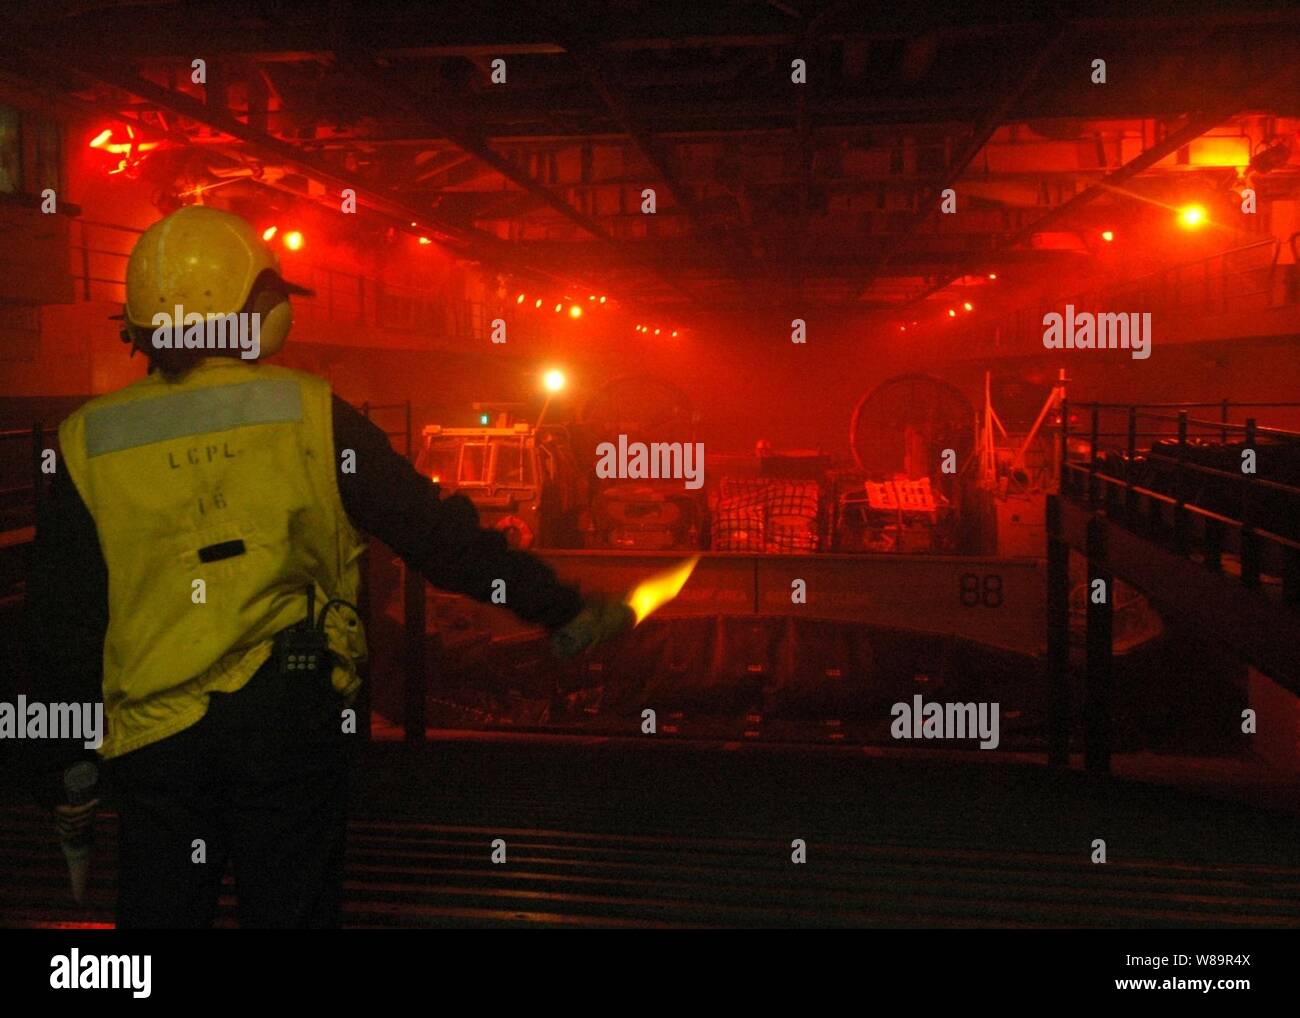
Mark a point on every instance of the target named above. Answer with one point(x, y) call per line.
point(66, 621)
point(440, 537)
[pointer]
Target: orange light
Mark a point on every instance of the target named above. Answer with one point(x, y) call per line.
point(575, 311)
point(130, 150)
point(538, 303)
point(1219, 151)
point(1192, 217)
point(657, 331)
point(592, 297)
point(293, 240)
point(425, 240)
point(519, 299)
point(652, 594)
point(674, 333)
point(952, 313)
point(969, 306)
point(269, 232)
point(902, 328)
point(553, 380)
point(557, 308)
point(602, 300)
point(993, 275)
point(1107, 235)
point(435, 478)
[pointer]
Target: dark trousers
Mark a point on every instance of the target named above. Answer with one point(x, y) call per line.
point(262, 782)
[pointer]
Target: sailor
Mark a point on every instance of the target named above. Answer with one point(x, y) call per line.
point(196, 515)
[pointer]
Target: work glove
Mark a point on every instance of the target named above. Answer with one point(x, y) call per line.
point(75, 822)
point(76, 826)
point(602, 618)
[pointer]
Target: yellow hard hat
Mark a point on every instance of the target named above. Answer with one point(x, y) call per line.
point(206, 261)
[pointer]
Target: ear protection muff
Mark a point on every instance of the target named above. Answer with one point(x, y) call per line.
point(275, 326)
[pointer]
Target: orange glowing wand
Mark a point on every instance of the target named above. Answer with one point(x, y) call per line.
point(650, 595)
point(603, 618)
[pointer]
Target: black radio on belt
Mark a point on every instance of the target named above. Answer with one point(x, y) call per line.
point(302, 651)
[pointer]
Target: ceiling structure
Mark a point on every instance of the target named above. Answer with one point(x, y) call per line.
point(769, 193)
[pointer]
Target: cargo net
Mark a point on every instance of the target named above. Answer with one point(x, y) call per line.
point(765, 516)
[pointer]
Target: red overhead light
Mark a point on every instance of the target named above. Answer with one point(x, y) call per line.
point(557, 308)
point(1191, 217)
point(519, 299)
point(952, 313)
point(602, 300)
point(425, 240)
point(102, 142)
point(968, 306)
point(993, 275)
point(130, 150)
point(575, 311)
point(674, 333)
point(1107, 235)
point(269, 232)
point(538, 303)
point(293, 240)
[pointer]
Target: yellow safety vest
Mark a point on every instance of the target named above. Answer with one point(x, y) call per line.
point(216, 501)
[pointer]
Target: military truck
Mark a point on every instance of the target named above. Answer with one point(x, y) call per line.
point(523, 480)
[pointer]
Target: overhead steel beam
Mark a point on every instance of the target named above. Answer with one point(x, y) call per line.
point(803, 137)
point(475, 243)
point(980, 136)
point(434, 113)
point(597, 70)
point(1263, 92)
point(177, 31)
point(1196, 125)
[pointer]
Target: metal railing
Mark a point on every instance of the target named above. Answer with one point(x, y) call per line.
point(19, 503)
point(98, 267)
point(1176, 513)
point(1242, 279)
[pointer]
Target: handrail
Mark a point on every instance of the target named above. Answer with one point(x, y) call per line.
point(1087, 479)
point(1196, 510)
point(342, 295)
point(1216, 403)
point(1221, 425)
point(1205, 285)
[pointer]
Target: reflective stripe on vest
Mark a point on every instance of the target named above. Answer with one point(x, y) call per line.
point(198, 412)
